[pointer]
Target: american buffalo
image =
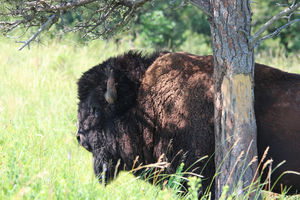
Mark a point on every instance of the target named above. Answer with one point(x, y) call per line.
point(145, 106)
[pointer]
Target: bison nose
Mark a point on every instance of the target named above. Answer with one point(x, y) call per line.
point(82, 140)
point(80, 135)
point(78, 138)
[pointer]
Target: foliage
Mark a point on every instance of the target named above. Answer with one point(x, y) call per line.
point(157, 29)
point(163, 25)
point(158, 24)
point(194, 185)
point(189, 25)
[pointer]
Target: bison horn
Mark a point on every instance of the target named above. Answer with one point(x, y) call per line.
point(111, 91)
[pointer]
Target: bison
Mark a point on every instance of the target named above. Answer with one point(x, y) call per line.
point(135, 106)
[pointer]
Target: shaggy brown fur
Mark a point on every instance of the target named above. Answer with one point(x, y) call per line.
point(176, 95)
point(169, 110)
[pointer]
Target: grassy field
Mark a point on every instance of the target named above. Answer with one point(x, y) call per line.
point(39, 154)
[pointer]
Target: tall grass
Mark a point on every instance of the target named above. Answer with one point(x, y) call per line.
point(278, 59)
point(39, 155)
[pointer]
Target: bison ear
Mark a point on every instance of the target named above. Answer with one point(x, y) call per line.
point(111, 91)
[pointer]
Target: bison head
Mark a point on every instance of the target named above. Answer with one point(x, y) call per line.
point(107, 97)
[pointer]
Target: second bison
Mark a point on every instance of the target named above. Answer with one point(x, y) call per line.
point(128, 110)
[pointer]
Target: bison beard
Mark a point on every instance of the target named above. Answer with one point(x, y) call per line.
point(167, 108)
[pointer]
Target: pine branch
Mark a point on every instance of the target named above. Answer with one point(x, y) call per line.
point(103, 17)
point(275, 33)
point(258, 35)
point(42, 6)
point(27, 42)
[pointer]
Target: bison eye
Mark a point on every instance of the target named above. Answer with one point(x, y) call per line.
point(94, 111)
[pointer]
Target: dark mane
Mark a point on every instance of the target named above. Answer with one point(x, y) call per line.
point(132, 64)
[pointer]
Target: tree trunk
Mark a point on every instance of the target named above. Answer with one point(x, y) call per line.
point(235, 126)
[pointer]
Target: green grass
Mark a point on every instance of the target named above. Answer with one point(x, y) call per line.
point(39, 154)
point(278, 59)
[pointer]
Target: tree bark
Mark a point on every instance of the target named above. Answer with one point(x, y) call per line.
point(235, 126)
